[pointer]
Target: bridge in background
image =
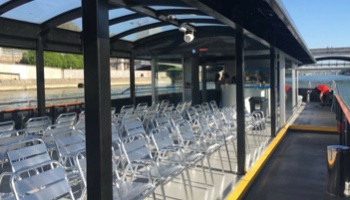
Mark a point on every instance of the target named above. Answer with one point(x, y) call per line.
point(332, 60)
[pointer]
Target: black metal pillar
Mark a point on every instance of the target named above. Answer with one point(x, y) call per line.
point(204, 82)
point(154, 68)
point(240, 103)
point(132, 79)
point(97, 99)
point(195, 79)
point(40, 77)
point(191, 79)
point(273, 91)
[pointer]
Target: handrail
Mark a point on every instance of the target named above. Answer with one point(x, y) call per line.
point(343, 105)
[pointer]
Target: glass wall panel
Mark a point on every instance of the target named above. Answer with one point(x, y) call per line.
point(39, 11)
point(169, 84)
point(288, 90)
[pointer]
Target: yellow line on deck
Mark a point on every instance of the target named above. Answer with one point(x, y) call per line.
point(246, 181)
point(313, 128)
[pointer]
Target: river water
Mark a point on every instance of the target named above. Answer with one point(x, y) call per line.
point(71, 95)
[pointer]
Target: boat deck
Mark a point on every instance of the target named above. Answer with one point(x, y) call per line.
point(298, 167)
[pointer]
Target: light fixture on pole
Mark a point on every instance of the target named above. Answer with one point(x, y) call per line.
point(188, 34)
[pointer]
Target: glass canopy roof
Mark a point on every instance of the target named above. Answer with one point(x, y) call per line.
point(39, 11)
point(123, 21)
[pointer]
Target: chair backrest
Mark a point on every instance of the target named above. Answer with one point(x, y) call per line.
point(206, 108)
point(135, 148)
point(154, 107)
point(27, 153)
point(141, 109)
point(44, 181)
point(133, 128)
point(185, 132)
point(67, 118)
point(9, 137)
point(161, 138)
point(126, 109)
point(164, 121)
point(7, 126)
point(214, 106)
point(69, 143)
point(80, 125)
point(163, 104)
point(180, 107)
point(37, 125)
point(192, 115)
point(51, 132)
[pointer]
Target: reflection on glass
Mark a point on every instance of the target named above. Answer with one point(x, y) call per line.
point(74, 25)
point(39, 11)
point(186, 16)
point(288, 92)
point(169, 74)
point(169, 8)
point(149, 32)
point(206, 24)
point(131, 24)
point(119, 12)
point(3, 1)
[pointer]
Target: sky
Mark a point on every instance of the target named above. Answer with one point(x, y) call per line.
point(321, 23)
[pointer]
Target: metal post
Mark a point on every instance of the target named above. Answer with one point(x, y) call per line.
point(282, 77)
point(204, 82)
point(40, 76)
point(194, 62)
point(273, 91)
point(132, 79)
point(294, 91)
point(154, 68)
point(240, 103)
point(96, 48)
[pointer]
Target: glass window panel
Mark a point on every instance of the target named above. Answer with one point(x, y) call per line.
point(3, 1)
point(206, 24)
point(39, 11)
point(119, 13)
point(146, 33)
point(74, 25)
point(131, 24)
point(169, 7)
point(193, 17)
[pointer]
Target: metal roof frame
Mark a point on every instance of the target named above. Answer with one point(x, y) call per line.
point(266, 22)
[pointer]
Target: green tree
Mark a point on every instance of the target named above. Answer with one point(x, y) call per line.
point(54, 59)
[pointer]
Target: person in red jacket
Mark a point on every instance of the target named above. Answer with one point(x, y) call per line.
point(325, 93)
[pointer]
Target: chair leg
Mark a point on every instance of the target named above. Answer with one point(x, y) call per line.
point(204, 175)
point(190, 183)
point(209, 166)
point(184, 183)
point(163, 191)
point(222, 164)
point(228, 156)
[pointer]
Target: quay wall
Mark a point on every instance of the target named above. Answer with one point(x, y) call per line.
point(23, 77)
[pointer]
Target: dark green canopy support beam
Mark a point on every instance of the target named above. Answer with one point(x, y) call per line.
point(240, 103)
point(97, 99)
point(40, 77)
point(132, 79)
point(272, 90)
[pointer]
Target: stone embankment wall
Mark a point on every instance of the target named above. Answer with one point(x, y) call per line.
point(23, 77)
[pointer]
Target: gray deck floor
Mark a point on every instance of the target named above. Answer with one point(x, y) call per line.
point(298, 167)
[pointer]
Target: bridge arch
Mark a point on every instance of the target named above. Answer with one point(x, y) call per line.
point(343, 58)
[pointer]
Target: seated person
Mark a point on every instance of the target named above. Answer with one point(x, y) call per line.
point(325, 94)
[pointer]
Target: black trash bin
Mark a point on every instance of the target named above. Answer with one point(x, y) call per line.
point(338, 169)
point(258, 103)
